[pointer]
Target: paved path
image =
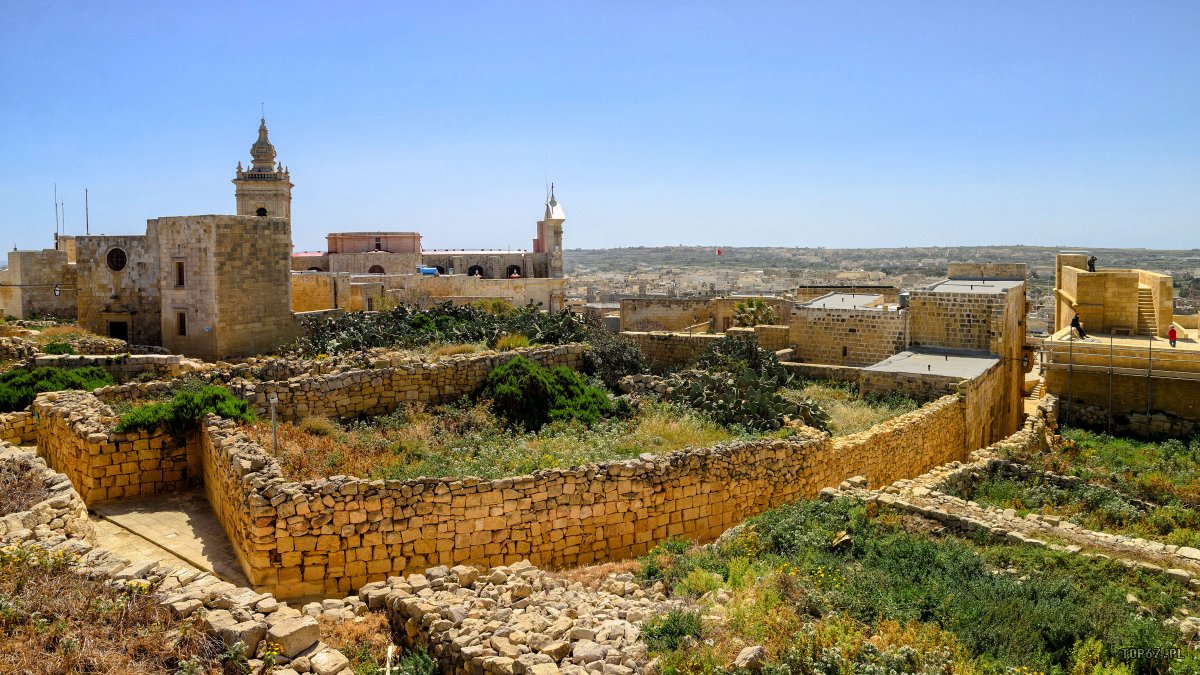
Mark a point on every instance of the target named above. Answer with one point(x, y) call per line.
point(178, 528)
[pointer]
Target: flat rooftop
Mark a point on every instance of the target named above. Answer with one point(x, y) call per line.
point(974, 285)
point(961, 364)
point(1188, 341)
point(843, 301)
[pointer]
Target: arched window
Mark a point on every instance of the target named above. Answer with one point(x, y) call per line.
point(475, 271)
point(440, 269)
point(513, 272)
point(260, 212)
point(315, 269)
point(117, 260)
point(376, 269)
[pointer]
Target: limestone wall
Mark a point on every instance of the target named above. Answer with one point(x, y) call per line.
point(61, 513)
point(18, 428)
point(846, 337)
point(123, 366)
point(1008, 271)
point(663, 314)
point(664, 350)
point(27, 285)
point(382, 389)
point(312, 292)
point(130, 295)
point(329, 536)
point(74, 434)
point(890, 294)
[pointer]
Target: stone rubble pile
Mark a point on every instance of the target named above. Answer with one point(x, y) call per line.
point(61, 513)
point(16, 348)
point(518, 619)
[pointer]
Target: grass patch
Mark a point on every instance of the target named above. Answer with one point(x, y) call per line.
point(54, 621)
point(850, 413)
point(840, 587)
point(467, 439)
point(1096, 507)
point(18, 388)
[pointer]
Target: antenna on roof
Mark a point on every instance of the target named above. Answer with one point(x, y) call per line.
point(87, 222)
point(55, 212)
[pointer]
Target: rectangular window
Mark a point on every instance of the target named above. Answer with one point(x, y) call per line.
point(181, 323)
point(180, 278)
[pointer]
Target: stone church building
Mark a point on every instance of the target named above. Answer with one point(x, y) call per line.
point(219, 286)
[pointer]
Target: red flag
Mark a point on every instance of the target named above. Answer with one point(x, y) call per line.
point(718, 251)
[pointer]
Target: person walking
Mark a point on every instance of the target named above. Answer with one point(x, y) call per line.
point(1077, 325)
point(1172, 335)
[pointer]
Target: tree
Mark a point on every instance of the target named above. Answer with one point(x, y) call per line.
point(754, 313)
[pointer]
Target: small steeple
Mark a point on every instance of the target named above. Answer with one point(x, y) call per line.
point(262, 151)
point(553, 210)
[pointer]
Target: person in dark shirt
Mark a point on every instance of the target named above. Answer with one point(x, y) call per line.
point(1078, 326)
point(1092, 264)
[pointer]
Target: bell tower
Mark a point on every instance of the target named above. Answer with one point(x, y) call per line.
point(265, 189)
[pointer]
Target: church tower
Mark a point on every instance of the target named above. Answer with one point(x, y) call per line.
point(551, 230)
point(265, 189)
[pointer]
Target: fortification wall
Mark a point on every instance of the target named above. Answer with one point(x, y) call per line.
point(846, 337)
point(1007, 271)
point(663, 314)
point(312, 292)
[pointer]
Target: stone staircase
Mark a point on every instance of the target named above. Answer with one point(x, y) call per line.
point(1039, 389)
point(1146, 324)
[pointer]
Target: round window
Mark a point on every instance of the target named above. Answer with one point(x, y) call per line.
point(117, 260)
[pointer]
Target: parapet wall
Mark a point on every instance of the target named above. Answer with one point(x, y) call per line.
point(18, 428)
point(664, 350)
point(847, 337)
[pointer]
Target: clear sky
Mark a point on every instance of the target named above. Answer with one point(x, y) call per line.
point(842, 123)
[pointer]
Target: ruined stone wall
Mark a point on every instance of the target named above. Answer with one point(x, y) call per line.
point(325, 537)
point(75, 435)
point(122, 366)
point(664, 350)
point(18, 428)
point(312, 292)
point(391, 383)
point(130, 295)
point(846, 337)
point(62, 512)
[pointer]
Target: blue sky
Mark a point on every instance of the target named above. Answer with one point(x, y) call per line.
point(737, 123)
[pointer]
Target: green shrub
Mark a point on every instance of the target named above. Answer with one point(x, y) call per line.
point(184, 412)
point(611, 356)
point(526, 394)
point(18, 388)
point(745, 400)
point(736, 353)
point(754, 312)
point(58, 348)
point(667, 632)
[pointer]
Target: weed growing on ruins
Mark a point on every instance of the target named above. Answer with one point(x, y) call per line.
point(467, 439)
point(511, 341)
point(849, 413)
point(54, 621)
point(848, 587)
point(58, 348)
point(18, 388)
point(364, 642)
point(184, 412)
point(611, 356)
point(1163, 473)
point(408, 327)
point(1095, 507)
point(21, 487)
point(529, 395)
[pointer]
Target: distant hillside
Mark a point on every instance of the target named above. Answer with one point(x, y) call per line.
point(926, 260)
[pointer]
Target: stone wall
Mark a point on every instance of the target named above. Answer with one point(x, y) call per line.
point(311, 292)
point(390, 383)
point(124, 366)
point(27, 285)
point(18, 428)
point(846, 337)
point(330, 536)
point(129, 295)
point(62, 512)
point(890, 294)
point(663, 314)
point(75, 435)
point(664, 350)
point(1006, 271)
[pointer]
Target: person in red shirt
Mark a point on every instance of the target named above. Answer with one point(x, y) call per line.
point(1172, 335)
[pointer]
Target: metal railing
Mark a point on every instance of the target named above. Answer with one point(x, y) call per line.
point(1161, 363)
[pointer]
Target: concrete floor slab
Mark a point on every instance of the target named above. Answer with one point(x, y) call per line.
point(966, 365)
point(170, 527)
